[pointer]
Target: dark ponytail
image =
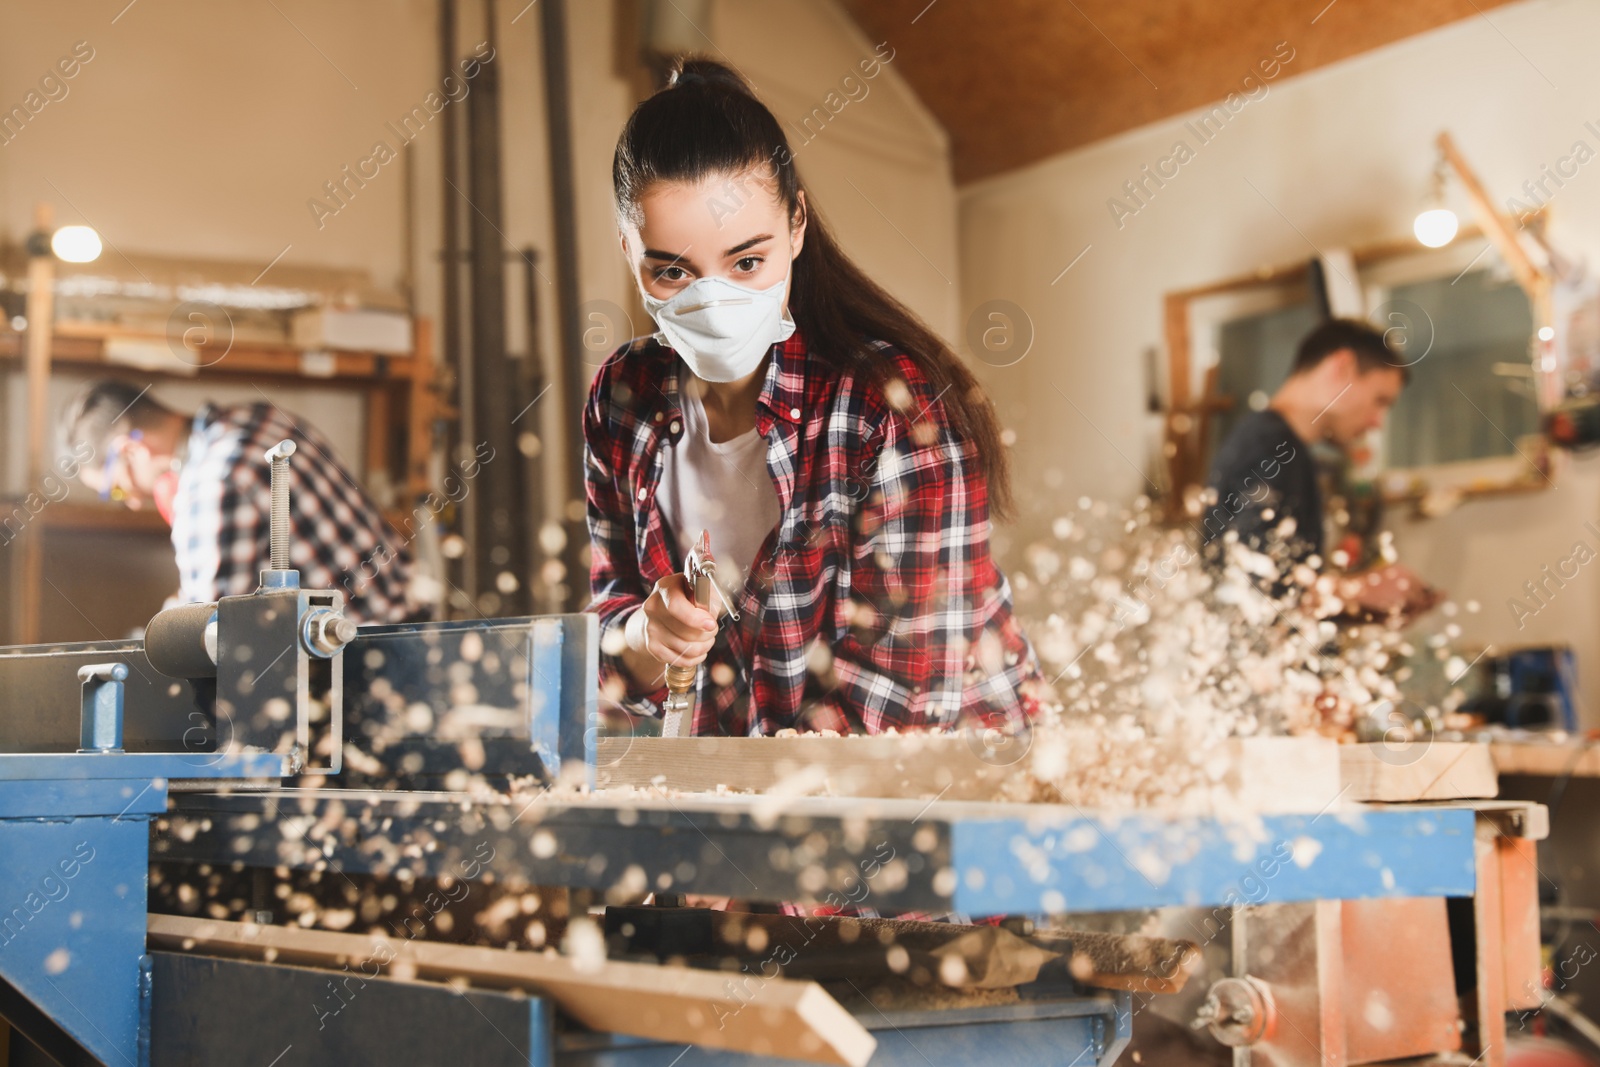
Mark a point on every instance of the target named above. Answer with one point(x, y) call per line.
point(708, 122)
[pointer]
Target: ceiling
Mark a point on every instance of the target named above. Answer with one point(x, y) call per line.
point(1014, 81)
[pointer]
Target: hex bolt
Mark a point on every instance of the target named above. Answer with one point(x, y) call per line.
point(326, 632)
point(278, 455)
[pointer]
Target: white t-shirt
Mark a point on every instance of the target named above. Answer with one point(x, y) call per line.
point(723, 487)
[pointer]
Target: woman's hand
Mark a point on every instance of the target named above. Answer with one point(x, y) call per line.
point(668, 629)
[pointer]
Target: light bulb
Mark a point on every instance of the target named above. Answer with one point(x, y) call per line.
point(1547, 333)
point(76, 244)
point(1436, 227)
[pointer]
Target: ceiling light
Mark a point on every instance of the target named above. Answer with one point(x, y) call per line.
point(76, 244)
point(1436, 225)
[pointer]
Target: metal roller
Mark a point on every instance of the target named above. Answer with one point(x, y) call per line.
point(181, 642)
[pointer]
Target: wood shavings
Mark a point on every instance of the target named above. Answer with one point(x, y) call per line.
point(1158, 659)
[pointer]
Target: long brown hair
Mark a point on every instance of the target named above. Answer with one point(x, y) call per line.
point(707, 122)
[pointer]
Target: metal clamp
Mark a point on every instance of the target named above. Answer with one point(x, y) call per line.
point(101, 729)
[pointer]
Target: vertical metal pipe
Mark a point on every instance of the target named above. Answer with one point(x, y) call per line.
point(531, 421)
point(501, 547)
point(571, 382)
point(457, 374)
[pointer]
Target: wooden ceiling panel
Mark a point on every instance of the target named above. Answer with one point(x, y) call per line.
point(1015, 81)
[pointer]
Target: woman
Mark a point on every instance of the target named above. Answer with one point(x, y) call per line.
point(840, 457)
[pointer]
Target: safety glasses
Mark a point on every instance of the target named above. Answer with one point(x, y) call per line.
point(109, 489)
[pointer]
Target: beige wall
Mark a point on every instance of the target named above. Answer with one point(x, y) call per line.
point(1338, 157)
point(880, 169)
point(203, 130)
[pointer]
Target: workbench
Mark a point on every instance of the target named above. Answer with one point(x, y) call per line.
point(1320, 873)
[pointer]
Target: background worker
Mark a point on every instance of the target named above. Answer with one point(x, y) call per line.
point(1343, 382)
point(207, 475)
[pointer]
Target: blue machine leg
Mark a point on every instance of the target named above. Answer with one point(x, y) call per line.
point(74, 887)
point(73, 894)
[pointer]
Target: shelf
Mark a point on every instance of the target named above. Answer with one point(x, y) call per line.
point(78, 346)
point(72, 516)
point(75, 516)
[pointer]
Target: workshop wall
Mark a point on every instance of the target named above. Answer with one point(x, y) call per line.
point(190, 134)
point(875, 159)
point(1338, 157)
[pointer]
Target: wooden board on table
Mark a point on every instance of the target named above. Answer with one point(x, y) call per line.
point(1279, 774)
point(950, 766)
point(1546, 759)
point(774, 1017)
point(1419, 770)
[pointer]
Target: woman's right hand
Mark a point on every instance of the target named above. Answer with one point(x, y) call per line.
point(670, 628)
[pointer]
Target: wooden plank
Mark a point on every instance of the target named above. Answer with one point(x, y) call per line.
point(77, 347)
point(1278, 774)
point(755, 1015)
point(377, 431)
point(1581, 760)
point(1488, 914)
point(1175, 324)
point(421, 412)
point(1496, 226)
point(1285, 775)
point(1440, 770)
point(36, 364)
point(899, 765)
point(1399, 987)
point(1519, 904)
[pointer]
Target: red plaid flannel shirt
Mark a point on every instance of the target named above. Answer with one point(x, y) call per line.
point(221, 528)
point(873, 604)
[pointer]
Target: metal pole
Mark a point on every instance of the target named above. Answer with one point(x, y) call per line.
point(569, 376)
point(457, 373)
point(501, 546)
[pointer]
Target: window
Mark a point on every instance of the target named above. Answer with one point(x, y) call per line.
point(1471, 390)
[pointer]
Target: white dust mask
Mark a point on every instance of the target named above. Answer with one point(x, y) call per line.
point(722, 329)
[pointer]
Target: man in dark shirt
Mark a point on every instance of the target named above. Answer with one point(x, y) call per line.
point(1344, 380)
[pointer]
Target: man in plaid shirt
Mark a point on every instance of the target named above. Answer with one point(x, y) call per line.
point(873, 605)
point(208, 476)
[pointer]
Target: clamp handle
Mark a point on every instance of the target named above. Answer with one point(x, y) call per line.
point(101, 726)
